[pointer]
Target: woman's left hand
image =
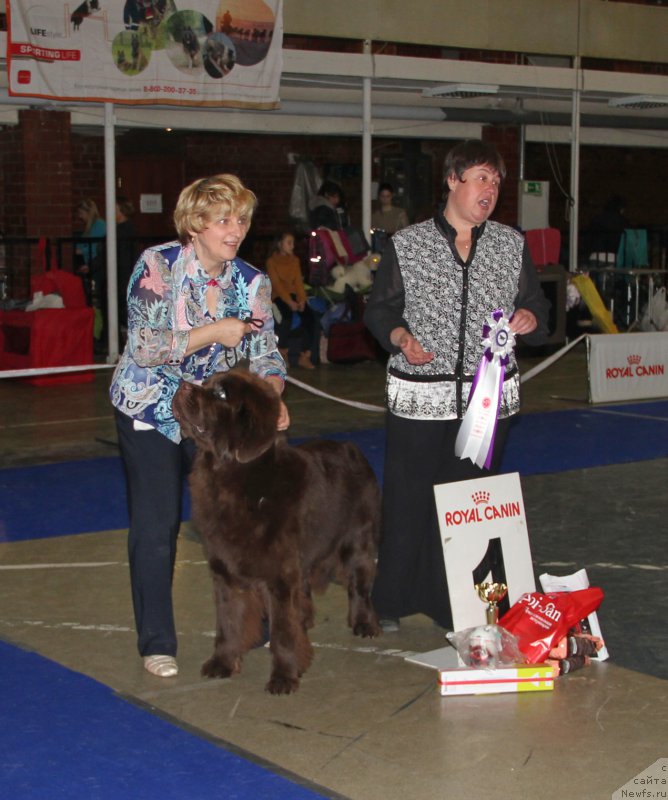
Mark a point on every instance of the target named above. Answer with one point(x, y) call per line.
point(283, 413)
point(523, 321)
point(283, 418)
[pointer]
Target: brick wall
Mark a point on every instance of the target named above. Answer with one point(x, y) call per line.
point(638, 175)
point(87, 169)
point(262, 164)
point(45, 172)
point(12, 191)
point(47, 169)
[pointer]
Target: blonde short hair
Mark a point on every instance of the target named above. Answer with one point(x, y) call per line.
point(206, 198)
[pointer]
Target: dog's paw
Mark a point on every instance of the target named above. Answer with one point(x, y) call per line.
point(367, 630)
point(215, 668)
point(282, 684)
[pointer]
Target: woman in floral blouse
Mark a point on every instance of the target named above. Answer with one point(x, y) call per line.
point(194, 308)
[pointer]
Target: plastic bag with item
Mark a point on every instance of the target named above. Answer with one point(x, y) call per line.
point(655, 313)
point(486, 646)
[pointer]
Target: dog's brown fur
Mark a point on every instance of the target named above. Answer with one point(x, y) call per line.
point(278, 522)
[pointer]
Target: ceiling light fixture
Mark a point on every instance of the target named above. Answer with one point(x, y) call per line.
point(639, 101)
point(460, 91)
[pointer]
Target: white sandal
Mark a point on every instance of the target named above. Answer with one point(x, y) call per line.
point(162, 666)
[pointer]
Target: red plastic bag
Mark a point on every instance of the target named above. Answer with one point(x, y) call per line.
point(540, 621)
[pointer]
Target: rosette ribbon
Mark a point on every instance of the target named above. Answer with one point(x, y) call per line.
point(475, 439)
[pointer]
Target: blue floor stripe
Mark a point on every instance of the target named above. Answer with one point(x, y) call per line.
point(83, 496)
point(63, 735)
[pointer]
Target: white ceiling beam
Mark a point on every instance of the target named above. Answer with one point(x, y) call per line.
point(603, 137)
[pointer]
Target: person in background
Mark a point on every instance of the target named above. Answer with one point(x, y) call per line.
point(194, 308)
point(289, 296)
point(90, 256)
point(327, 208)
point(438, 283)
point(604, 238)
point(388, 217)
point(606, 229)
point(126, 254)
point(94, 227)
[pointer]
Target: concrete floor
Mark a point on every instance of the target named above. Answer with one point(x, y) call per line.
point(365, 723)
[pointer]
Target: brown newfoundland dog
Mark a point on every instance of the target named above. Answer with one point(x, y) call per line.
point(278, 523)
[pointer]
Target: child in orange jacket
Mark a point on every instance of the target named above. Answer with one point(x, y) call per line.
point(289, 296)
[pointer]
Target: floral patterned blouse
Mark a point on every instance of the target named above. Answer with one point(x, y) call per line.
point(166, 298)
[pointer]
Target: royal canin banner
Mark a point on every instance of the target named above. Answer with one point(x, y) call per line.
point(210, 53)
point(485, 539)
point(627, 366)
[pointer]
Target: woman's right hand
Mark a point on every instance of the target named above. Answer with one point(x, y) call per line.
point(229, 332)
point(410, 347)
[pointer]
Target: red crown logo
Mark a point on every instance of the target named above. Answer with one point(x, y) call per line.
point(635, 359)
point(480, 497)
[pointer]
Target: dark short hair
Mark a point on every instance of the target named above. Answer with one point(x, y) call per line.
point(125, 206)
point(329, 188)
point(616, 203)
point(471, 153)
point(276, 242)
point(385, 187)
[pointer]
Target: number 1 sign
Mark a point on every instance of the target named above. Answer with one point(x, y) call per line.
point(485, 538)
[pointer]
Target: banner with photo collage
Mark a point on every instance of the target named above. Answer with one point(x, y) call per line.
point(208, 53)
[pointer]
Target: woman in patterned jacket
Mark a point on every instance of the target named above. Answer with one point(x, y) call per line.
point(437, 284)
point(194, 308)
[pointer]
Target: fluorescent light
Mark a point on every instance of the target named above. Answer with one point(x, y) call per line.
point(460, 91)
point(638, 101)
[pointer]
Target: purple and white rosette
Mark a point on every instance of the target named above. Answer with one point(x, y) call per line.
point(475, 439)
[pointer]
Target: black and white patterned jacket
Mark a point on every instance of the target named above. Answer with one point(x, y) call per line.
point(423, 285)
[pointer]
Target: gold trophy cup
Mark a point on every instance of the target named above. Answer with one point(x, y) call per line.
point(492, 594)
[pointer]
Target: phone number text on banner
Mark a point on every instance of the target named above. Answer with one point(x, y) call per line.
point(212, 53)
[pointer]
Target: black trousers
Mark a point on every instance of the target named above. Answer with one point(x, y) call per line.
point(304, 332)
point(155, 468)
point(411, 571)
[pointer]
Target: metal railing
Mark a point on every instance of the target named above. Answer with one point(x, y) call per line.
point(626, 292)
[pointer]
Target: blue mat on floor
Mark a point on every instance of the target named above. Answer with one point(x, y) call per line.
point(63, 735)
point(84, 496)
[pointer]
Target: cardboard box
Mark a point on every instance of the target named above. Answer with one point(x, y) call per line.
point(518, 678)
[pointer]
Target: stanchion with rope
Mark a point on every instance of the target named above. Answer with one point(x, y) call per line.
point(531, 373)
point(324, 395)
point(33, 372)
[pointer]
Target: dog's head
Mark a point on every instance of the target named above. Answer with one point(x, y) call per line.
point(232, 415)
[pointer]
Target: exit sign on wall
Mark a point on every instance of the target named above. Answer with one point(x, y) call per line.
point(533, 187)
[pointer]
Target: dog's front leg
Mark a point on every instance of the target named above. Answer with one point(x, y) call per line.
point(230, 603)
point(289, 644)
point(360, 569)
point(361, 616)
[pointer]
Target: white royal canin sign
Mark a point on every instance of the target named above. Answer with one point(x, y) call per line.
point(478, 518)
point(627, 366)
